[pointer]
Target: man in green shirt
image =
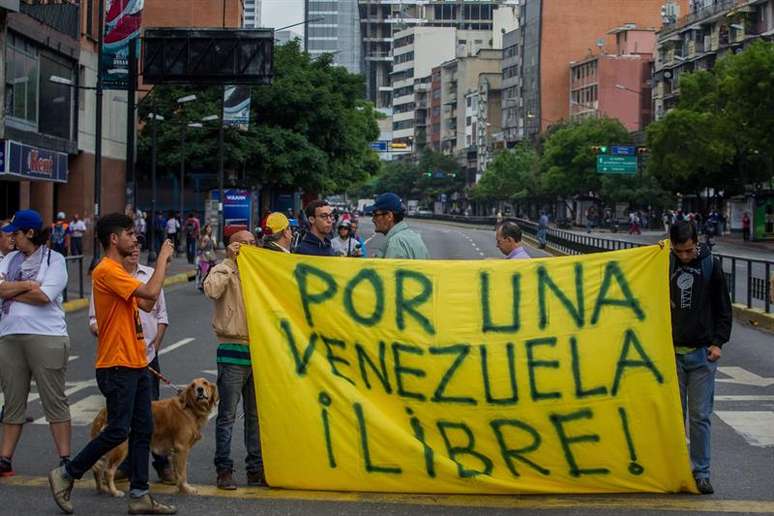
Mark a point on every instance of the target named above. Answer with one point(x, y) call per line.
point(401, 241)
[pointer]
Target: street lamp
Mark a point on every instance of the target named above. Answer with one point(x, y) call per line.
point(182, 101)
point(152, 252)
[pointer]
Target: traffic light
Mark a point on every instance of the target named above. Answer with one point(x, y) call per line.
point(429, 173)
point(642, 150)
point(599, 149)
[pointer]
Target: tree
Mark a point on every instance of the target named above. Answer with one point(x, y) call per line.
point(512, 175)
point(309, 129)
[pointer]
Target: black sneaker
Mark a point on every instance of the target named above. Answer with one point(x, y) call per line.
point(256, 478)
point(704, 486)
point(6, 469)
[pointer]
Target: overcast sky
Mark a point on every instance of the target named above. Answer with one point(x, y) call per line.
point(279, 13)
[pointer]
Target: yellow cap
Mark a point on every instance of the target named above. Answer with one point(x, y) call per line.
point(277, 223)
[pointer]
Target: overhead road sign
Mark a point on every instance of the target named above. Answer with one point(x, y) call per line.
point(624, 165)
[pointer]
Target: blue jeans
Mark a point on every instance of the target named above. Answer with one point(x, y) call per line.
point(128, 399)
point(190, 248)
point(696, 375)
point(235, 382)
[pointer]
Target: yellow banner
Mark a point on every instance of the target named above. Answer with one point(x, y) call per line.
point(550, 375)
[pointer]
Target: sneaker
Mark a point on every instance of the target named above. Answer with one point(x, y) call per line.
point(704, 486)
point(148, 505)
point(6, 468)
point(256, 478)
point(226, 480)
point(61, 487)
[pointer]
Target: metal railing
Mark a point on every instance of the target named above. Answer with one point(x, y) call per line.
point(748, 279)
point(74, 264)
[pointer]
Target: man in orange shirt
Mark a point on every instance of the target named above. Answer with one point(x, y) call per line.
point(122, 374)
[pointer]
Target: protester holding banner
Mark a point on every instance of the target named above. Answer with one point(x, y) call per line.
point(701, 324)
point(401, 241)
point(235, 376)
point(278, 236)
point(315, 240)
point(508, 237)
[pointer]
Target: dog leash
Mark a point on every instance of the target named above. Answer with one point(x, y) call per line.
point(165, 380)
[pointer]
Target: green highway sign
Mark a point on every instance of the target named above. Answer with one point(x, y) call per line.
point(624, 165)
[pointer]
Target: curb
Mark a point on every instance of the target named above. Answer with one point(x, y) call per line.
point(175, 279)
point(754, 317)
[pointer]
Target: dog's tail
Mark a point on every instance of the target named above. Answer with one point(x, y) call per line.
point(99, 423)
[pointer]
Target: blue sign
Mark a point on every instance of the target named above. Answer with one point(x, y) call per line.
point(623, 150)
point(33, 163)
point(380, 146)
point(236, 208)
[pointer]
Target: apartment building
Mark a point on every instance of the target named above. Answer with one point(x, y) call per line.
point(695, 41)
point(251, 14)
point(334, 28)
point(552, 33)
point(616, 85)
point(381, 20)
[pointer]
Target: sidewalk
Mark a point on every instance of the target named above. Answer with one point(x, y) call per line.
point(178, 271)
point(732, 245)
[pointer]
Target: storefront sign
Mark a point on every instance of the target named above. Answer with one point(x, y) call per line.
point(32, 163)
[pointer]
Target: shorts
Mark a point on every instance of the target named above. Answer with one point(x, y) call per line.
point(42, 357)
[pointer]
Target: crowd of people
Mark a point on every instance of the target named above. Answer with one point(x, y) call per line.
point(129, 318)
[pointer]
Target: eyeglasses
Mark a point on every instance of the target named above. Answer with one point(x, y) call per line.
point(324, 216)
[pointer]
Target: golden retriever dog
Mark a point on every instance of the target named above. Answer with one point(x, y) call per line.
point(177, 426)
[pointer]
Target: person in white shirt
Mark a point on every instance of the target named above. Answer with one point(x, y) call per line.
point(33, 334)
point(6, 241)
point(77, 229)
point(172, 227)
point(154, 327)
point(344, 244)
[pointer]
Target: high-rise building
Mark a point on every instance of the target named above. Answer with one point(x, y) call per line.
point(552, 33)
point(380, 20)
point(251, 16)
point(334, 28)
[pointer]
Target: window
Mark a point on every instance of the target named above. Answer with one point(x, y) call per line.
point(56, 100)
point(21, 80)
point(81, 91)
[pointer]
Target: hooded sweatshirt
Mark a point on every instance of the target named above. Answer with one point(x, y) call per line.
point(701, 305)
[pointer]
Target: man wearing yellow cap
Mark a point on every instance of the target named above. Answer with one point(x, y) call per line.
point(278, 236)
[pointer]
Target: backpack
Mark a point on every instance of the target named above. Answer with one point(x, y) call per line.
point(58, 234)
point(190, 228)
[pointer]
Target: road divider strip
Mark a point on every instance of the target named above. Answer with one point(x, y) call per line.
point(672, 503)
point(174, 279)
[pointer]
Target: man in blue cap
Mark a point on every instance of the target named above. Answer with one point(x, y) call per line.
point(387, 213)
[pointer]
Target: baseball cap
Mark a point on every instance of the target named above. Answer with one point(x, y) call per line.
point(276, 223)
point(387, 202)
point(24, 220)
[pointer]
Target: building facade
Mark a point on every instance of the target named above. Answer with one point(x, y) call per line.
point(694, 42)
point(552, 33)
point(616, 85)
point(334, 28)
point(251, 15)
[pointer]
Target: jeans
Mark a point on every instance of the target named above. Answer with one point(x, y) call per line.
point(76, 245)
point(235, 382)
point(128, 400)
point(696, 375)
point(190, 248)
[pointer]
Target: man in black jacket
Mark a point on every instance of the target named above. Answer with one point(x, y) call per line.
point(701, 324)
point(315, 240)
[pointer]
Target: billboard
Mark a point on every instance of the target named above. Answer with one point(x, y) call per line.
point(122, 26)
point(236, 107)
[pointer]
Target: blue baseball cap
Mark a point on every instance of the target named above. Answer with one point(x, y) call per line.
point(24, 220)
point(386, 202)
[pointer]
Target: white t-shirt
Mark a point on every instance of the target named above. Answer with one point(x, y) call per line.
point(27, 319)
point(78, 228)
point(172, 226)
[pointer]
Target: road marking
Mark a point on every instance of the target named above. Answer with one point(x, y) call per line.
point(742, 376)
point(763, 397)
point(83, 412)
point(757, 427)
point(482, 254)
point(172, 347)
point(73, 357)
point(213, 372)
point(535, 502)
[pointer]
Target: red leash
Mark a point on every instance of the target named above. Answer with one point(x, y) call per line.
point(164, 379)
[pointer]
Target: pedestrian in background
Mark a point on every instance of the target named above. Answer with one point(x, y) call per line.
point(154, 326)
point(121, 367)
point(746, 223)
point(77, 230)
point(354, 226)
point(400, 240)
point(278, 236)
point(6, 240)
point(33, 335)
point(343, 243)
point(207, 256)
point(192, 231)
point(60, 234)
point(315, 241)
point(160, 228)
point(701, 324)
point(542, 232)
point(235, 374)
point(140, 229)
point(172, 227)
point(508, 237)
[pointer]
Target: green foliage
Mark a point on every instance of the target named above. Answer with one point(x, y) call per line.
point(512, 175)
point(309, 129)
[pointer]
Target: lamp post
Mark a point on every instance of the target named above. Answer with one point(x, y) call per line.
point(182, 101)
point(98, 135)
point(154, 123)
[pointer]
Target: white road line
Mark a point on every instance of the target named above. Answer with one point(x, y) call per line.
point(176, 345)
point(83, 412)
point(744, 398)
point(757, 427)
point(213, 372)
point(482, 254)
point(73, 357)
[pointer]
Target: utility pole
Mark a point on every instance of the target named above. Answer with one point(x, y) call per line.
point(221, 157)
point(130, 120)
point(98, 136)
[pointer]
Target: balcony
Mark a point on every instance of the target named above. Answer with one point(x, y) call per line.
point(63, 17)
point(702, 14)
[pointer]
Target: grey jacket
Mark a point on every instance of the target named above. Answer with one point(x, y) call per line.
point(403, 242)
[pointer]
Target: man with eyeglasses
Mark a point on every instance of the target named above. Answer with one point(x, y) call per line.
point(316, 240)
point(401, 242)
point(235, 374)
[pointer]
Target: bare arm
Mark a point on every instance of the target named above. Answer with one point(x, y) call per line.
point(162, 330)
point(9, 289)
point(146, 305)
point(34, 296)
point(152, 289)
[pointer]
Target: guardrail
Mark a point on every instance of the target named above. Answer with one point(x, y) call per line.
point(74, 264)
point(748, 279)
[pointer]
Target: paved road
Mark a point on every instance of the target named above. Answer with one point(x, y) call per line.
point(743, 436)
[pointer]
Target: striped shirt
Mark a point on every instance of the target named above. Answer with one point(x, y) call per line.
point(234, 354)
